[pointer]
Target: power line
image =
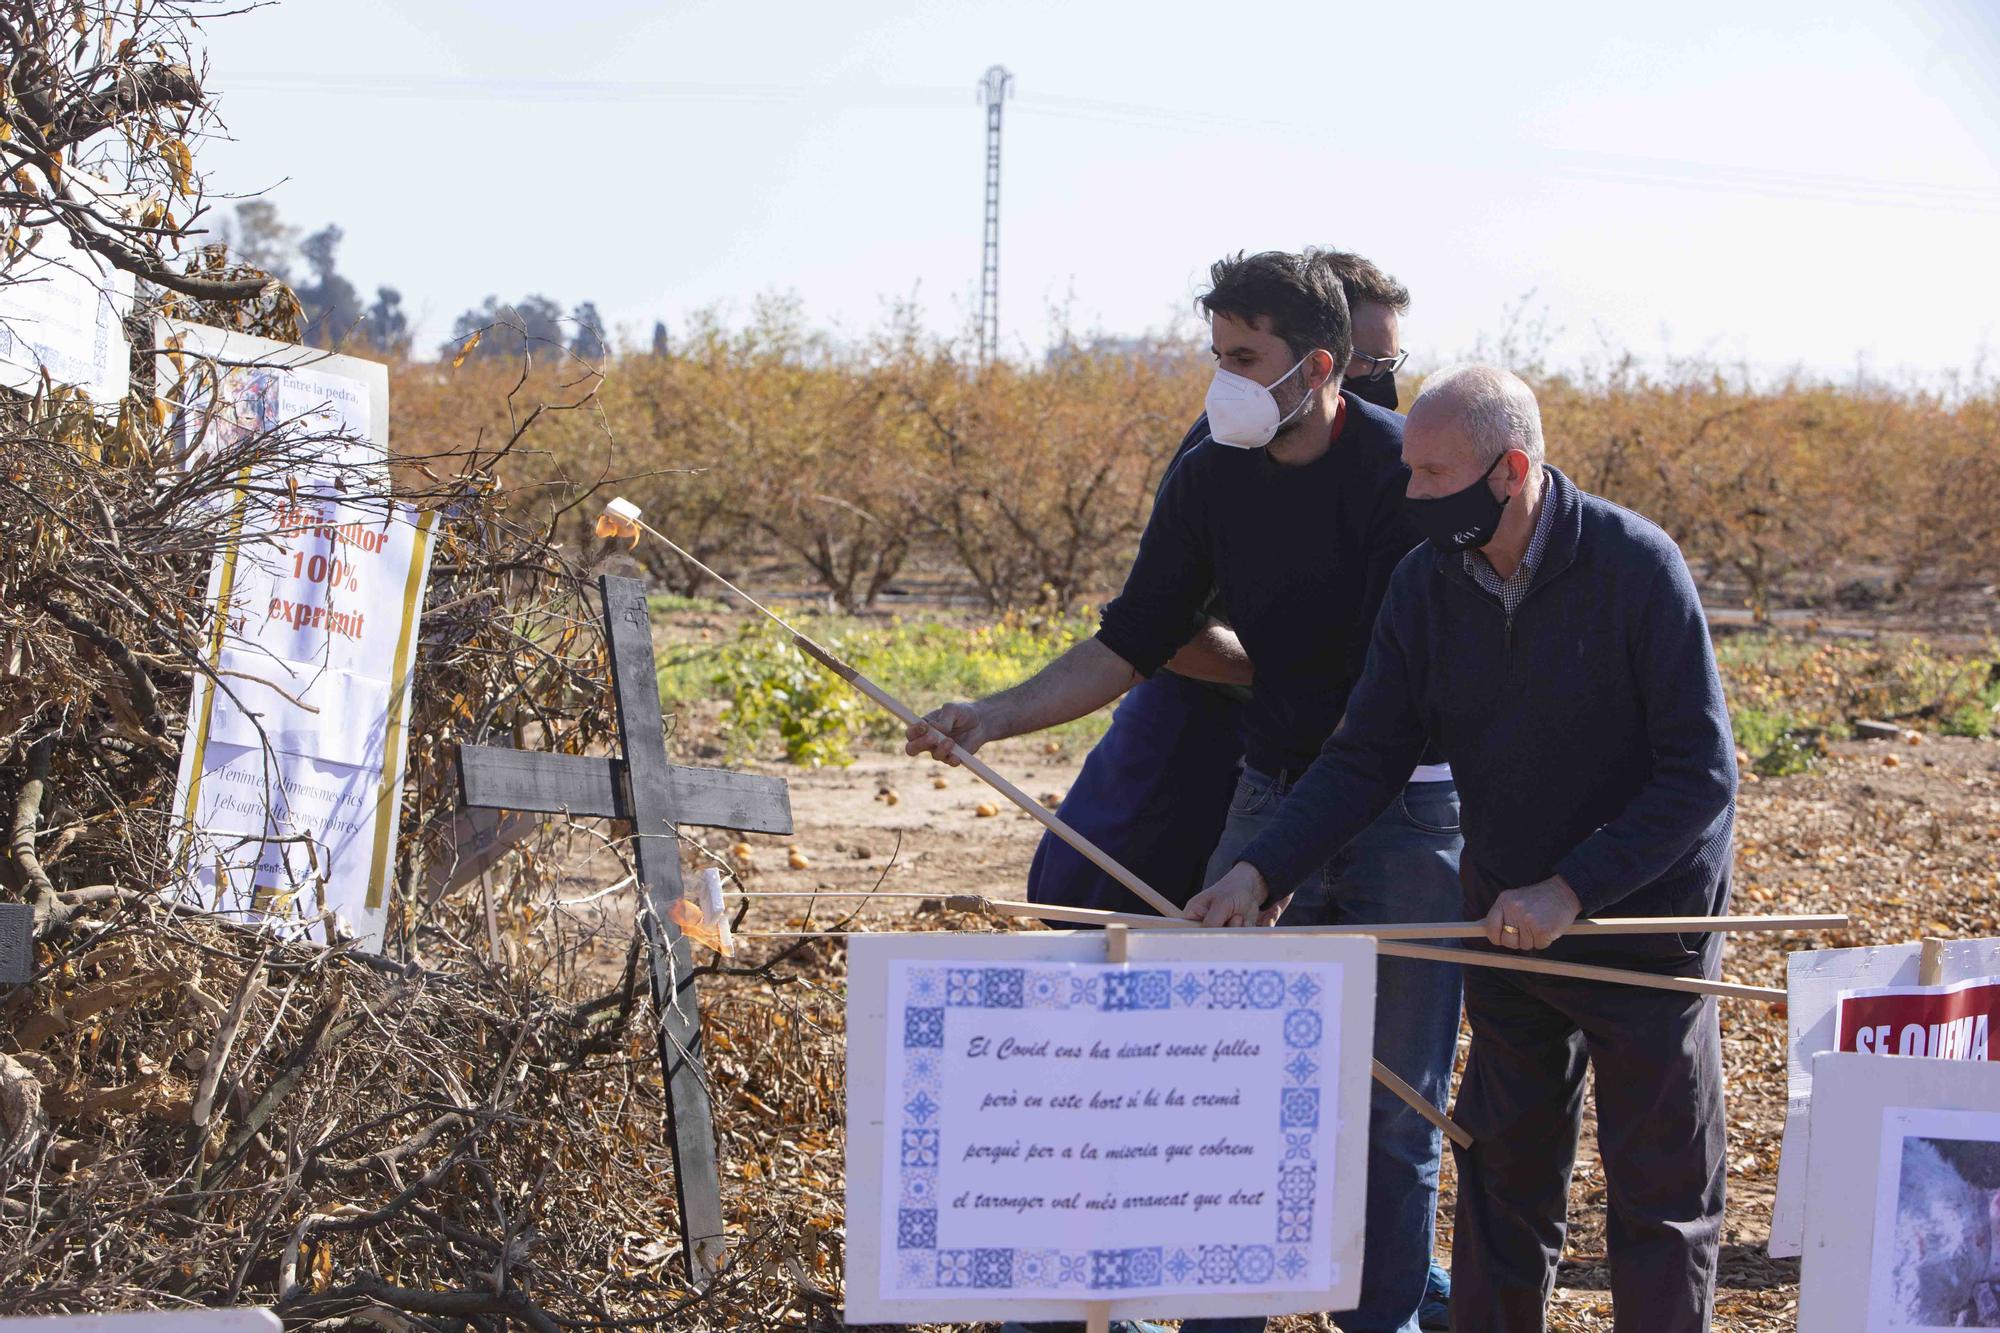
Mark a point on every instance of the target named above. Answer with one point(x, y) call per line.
point(1607, 168)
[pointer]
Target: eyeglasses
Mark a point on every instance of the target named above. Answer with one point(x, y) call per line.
point(1378, 366)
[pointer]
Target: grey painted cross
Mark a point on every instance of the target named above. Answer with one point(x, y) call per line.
point(17, 943)
point(643, 790)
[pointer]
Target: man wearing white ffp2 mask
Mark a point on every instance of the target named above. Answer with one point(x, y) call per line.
point(1299, 538)
point(1244, 414)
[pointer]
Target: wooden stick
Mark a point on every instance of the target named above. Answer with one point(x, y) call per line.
point(1417, 1102)
point(979, 769)
point(1117, 950)
point(948, 899)
point(1423, 930)
point(1581, 971)
point(1096, 855)
point(1930, 963)
point(1110, 865)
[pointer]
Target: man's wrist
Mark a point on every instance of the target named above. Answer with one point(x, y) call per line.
point(1262, 885)
point(992, 714)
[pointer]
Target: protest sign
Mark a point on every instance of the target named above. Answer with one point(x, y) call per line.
point(291, 774)
point(1034, 1131)
point(245, 1320)
point(1816, 980)
point(1902, 1192)
point(1948, 1022)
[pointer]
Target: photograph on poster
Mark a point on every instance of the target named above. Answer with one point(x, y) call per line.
point(323, 414)
point(1938, 1188)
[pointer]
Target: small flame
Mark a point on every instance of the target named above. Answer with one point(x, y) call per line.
point(619, 519)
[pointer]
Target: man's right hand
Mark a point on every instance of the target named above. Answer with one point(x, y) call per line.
point(1237, 899)
point(949, 731)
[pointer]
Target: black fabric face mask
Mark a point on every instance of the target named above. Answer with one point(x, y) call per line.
point(1381, 392)
point(1459, 521)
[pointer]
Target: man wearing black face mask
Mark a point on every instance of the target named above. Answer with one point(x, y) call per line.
point(1552, 645)
point(1378, 302)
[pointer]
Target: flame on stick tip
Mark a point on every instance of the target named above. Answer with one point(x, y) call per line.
point(619, 519)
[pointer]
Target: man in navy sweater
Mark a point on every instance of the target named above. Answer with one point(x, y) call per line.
point(1155, 789)
point(1552, 646)
point(1293, 511)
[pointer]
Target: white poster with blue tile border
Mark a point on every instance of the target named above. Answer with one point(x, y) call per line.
point(1091, 1130)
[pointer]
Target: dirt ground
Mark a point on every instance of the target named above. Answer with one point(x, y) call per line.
point(1903, 837)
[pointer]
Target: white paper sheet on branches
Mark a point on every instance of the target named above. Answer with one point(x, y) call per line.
point(62, 311)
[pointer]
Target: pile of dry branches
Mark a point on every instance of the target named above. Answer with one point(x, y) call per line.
point(196, 1111)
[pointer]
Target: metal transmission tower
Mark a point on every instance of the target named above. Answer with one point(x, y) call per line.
point(994, 89)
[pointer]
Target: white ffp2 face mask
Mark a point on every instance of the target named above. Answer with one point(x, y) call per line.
point(1243, 414)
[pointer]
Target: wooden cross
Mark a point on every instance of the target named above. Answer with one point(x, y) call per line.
point(17, 943)
point(651, 795)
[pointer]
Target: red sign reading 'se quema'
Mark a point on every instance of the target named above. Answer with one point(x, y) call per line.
point(1950, 1022)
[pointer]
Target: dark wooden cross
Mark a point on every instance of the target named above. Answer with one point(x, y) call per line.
point(17, 943)
point(651, 795)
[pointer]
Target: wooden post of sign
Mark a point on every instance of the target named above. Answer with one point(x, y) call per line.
point(650, 795)
point(1117, 950)
point(1930, 963)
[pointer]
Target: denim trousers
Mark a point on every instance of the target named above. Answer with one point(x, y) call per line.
point(1403, 867)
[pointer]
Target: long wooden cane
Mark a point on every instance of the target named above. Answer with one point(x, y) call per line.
point(623, 515)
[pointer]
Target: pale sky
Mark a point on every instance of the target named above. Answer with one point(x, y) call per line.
point(1811, 184)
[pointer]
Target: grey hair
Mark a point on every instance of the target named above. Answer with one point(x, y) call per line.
point(1498, 411)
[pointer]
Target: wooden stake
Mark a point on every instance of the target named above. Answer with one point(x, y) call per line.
point(1045, 817)
point(628, 513)
point(1117, 950)
point(1930, 963)
point(1580, 971)
point(1035, 809)
point(1416, 1101)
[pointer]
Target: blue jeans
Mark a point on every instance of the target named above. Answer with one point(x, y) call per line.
point(1154, 793)
point(1403, 867)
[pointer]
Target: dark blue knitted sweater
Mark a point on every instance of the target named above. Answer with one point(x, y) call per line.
point(1588, 735)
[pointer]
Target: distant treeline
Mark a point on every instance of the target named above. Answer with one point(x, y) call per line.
point(863, 463)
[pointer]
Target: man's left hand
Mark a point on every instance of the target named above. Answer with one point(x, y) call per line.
point(1533, 917)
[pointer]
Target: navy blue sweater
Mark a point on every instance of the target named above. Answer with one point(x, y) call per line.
point(1301, 556)
point(1588, 736)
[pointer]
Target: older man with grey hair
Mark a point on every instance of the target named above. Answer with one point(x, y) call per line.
point(1551, 645)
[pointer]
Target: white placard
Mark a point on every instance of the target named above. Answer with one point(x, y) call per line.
point(1181, 1134)
point(62, 310)
point(291, 774)
point(1814, 982)
point(301, 732)
point(151, 1321)
point(1900, 1200)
